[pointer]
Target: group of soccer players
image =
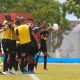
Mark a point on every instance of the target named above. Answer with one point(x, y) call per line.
point(21, 41)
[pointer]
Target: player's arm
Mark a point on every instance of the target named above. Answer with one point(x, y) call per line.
point(4, 28)
point(33, 34)
point(17, 33)
point(43, 24)
point(1, 30)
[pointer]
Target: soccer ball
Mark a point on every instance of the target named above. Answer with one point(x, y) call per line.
point(55, 26)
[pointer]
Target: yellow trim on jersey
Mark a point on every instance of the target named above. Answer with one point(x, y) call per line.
point(7, 33)
point(24, 34)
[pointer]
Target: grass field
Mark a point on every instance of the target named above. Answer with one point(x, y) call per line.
point(56, 71)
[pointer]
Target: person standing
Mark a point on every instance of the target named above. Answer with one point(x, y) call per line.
point(43, 39)
point(24, 32)
point(12, 58)
point(44, 34)
point(6, 39)
point(1, 30)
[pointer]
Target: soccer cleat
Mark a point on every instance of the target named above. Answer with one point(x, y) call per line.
point(5, 73)
point(24, 72)
point(32, 72)
point(29, 72)
point(12, 72)
point(25, 69)
point(45, 69)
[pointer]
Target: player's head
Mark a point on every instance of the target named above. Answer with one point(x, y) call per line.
point(17, 21)
point(22, 20)
point(30, 22)
point(7, 17)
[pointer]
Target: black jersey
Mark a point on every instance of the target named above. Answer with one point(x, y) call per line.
point(45, 34)
point(37, 32)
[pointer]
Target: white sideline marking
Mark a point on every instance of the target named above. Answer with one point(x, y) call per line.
point(34, 77)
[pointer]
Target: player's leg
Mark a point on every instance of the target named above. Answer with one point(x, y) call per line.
point(23, 57)
point(44, 50)
point(45, 60)
point(18, 55)
point(5, 45)
point(31, 58)
point(12, 61)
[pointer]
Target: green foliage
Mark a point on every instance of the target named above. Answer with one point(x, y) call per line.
point(50, 10)
point(40, 9)
point(73, 6)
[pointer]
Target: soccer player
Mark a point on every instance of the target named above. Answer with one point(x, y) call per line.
point(43, 38)
point(18, 53)
point(6, 39)
point(37, 29)
point(24, 33)
point(3, 28)
point(9, 46)
point(12, 58)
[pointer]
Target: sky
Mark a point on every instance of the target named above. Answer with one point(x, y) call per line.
point(62, 1)
point(69, 16)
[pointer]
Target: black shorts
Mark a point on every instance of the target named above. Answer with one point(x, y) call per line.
point(43, 48)
point(18, 52)
point(13, 46)
point(25, 48)
point(32, 49)
point(6, 44)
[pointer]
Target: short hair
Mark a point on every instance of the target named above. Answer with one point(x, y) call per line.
point(17, 20)
point(29, 19)
point(22, 19)
point(7, 17)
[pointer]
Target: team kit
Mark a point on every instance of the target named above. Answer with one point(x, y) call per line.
point(22, 42)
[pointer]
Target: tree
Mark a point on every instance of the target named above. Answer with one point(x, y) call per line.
point(73, 6)
point(50, 10)
point(40, 9)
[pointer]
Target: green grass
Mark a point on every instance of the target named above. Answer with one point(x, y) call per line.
point(54, 72)
point(15, 77)
point(59, 72)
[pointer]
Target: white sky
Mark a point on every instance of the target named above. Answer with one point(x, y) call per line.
point(62, 1)
point(69, 16)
